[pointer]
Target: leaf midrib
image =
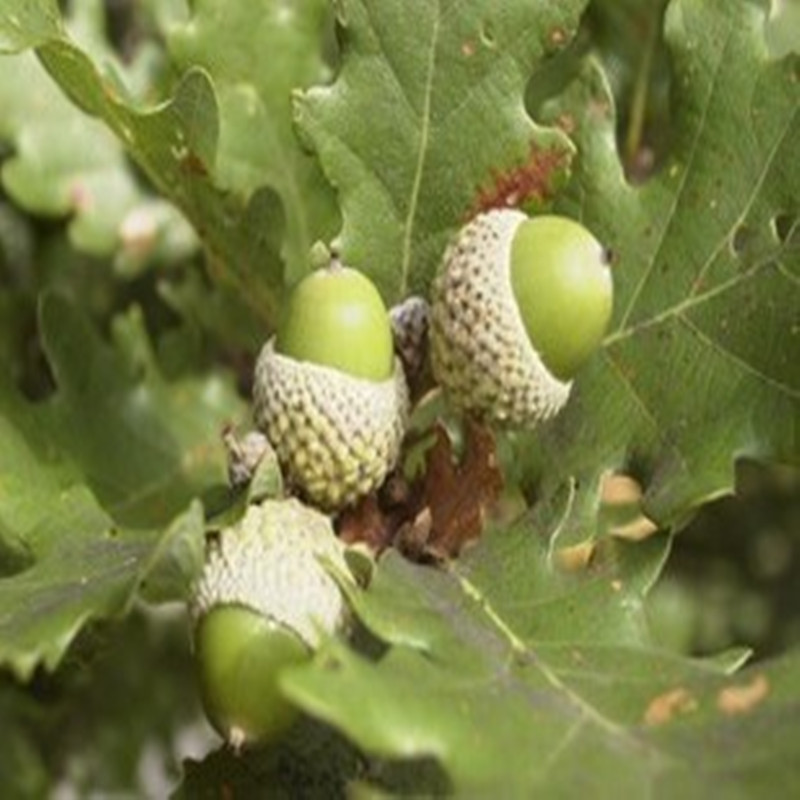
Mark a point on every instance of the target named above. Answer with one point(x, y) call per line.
point(408, 226)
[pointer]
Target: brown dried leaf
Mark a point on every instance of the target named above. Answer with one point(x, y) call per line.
point(431, 520)
point(413, 538)
point(366, 522)
point(459, 495)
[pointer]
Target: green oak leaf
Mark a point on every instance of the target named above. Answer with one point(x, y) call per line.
point(312, 762)
point(24, 24)
point(783, 28)
point(700, 366)
point(506, 708)
point(425, 125)
point(64, 164)
point(82, 568)
point(145, 446)
point(97, 484)
point(121, 692)
point(72, 563)
point(175, 143)
point(67, 165)
point(213, 311)
point(257, 54)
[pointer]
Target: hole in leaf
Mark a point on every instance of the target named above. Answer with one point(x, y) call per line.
point(782, 225)
point(742, 237)
point(487, 34)
point(14, 558)
point(782, 28)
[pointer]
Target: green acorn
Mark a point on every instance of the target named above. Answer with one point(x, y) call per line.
point(518, 306)
point(329, 393)
point(263, 603)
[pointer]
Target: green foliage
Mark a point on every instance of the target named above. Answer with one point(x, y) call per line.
point(701, 361)
point(67, 164)
point(91, 481)
point(131, 137)
point(254, 76)
point(424, 124)
point(564, 711)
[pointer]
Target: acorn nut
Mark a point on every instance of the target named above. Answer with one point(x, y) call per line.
point(329, 393)
point(263, 603)
point(518, 306)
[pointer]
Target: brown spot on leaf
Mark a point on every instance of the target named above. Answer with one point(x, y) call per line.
point(741, 698)
point(530, 181)
point(619, 490)
point(636, 530)
point(666, 706)
point(192, 164)
point(567, 123)
point(468, 48)
point(80, 197)
point(575, 558)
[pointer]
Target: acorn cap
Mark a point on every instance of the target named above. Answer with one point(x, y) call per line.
point(336, 435)
point(480, 350)
point(271, 561)
point(410, 322)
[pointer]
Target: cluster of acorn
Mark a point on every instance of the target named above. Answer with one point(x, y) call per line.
point(518, 305)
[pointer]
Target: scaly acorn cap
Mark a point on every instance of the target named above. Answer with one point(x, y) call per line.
point(264, 602)
point(271, 562)
point(480, 350)
point(336, 435)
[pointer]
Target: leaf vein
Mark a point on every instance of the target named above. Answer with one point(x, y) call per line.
point(736, 360)
point(405, 264)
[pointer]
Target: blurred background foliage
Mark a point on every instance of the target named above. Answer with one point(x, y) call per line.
point(121, 712)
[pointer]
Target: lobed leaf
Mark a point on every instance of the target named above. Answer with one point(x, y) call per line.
point(701, 364)
point(92, 483)
point(425, 125)
point(175, 144)
point(513, 711)
point(24, 24)
point(257, 54)
point(63, 163)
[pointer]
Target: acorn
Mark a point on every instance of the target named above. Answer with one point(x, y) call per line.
point(518, 306)
point(329, 392)
point(264, 603)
